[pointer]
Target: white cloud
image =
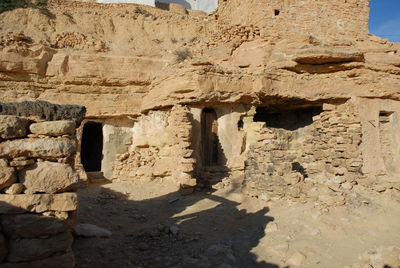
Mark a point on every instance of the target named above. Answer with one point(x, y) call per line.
point(389, 29)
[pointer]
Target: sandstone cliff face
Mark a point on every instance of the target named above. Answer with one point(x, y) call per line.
point(123, 62)
point(129, 56)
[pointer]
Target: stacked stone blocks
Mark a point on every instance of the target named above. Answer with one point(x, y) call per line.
point(328, 157)
point(38, 181)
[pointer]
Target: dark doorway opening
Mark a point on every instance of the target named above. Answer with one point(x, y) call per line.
point(289, 119)
point(92, 146)
point(209, 137)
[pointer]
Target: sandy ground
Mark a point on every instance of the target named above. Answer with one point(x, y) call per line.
point(154, 226)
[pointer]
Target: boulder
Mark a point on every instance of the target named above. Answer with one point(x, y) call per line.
point(66, 260)
point(53, 128)
point(14, 204)
point(90, 230)
point(31, 249)
point(31, 225)
point(7, 175)
point(13, 127)
point(48, 177)
point(16, 188)
point(44, 110)
point(47, 148)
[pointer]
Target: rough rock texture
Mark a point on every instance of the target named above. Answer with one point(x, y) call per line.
point(168, 155)
point(243, 54)
point(295, 98)
point(31, 225)
point(36, 211)
point(34, 62)
point(7, 174)
point(327, 55)
point(47, 148)
point(323, 153)
point(44, 110)
point(29, 249)
point(10, 204)
point(13, 127)
point(54, 128)
point(48, 177)
point(16, 188)
point(66, 260)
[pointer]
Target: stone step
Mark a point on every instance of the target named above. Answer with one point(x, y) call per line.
point(96, 177)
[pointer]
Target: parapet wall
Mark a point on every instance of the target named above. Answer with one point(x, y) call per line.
point(37, 183)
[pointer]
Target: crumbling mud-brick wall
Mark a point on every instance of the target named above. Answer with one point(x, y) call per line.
point(299, 162)
point(38, 181)
point(160, 148)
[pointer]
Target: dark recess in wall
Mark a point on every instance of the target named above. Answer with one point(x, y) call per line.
point(289, 119)
point(92, 146)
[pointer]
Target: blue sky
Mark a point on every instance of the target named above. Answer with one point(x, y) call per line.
point(385, 19)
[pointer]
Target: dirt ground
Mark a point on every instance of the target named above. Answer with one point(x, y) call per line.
point(154, 226)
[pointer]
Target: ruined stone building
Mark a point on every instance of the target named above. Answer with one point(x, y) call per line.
point(287, 95)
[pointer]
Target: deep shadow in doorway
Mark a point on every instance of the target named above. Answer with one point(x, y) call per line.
point(92, 146)
point(212, 157)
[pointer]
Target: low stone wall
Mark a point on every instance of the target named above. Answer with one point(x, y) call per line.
point(321, 161)
point(38, 180)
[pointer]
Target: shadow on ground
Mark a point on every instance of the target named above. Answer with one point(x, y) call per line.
point(200, 230)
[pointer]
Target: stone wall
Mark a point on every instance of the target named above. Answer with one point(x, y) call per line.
point(37, 183)
point(326, 18)
point(302, 162)
point(160, 148)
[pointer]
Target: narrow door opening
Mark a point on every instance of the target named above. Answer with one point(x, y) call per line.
point(92, 146)
point(388, 144)
point(209, 137)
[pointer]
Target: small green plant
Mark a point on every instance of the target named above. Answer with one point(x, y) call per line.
point(182, 54)
point(174, 41)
